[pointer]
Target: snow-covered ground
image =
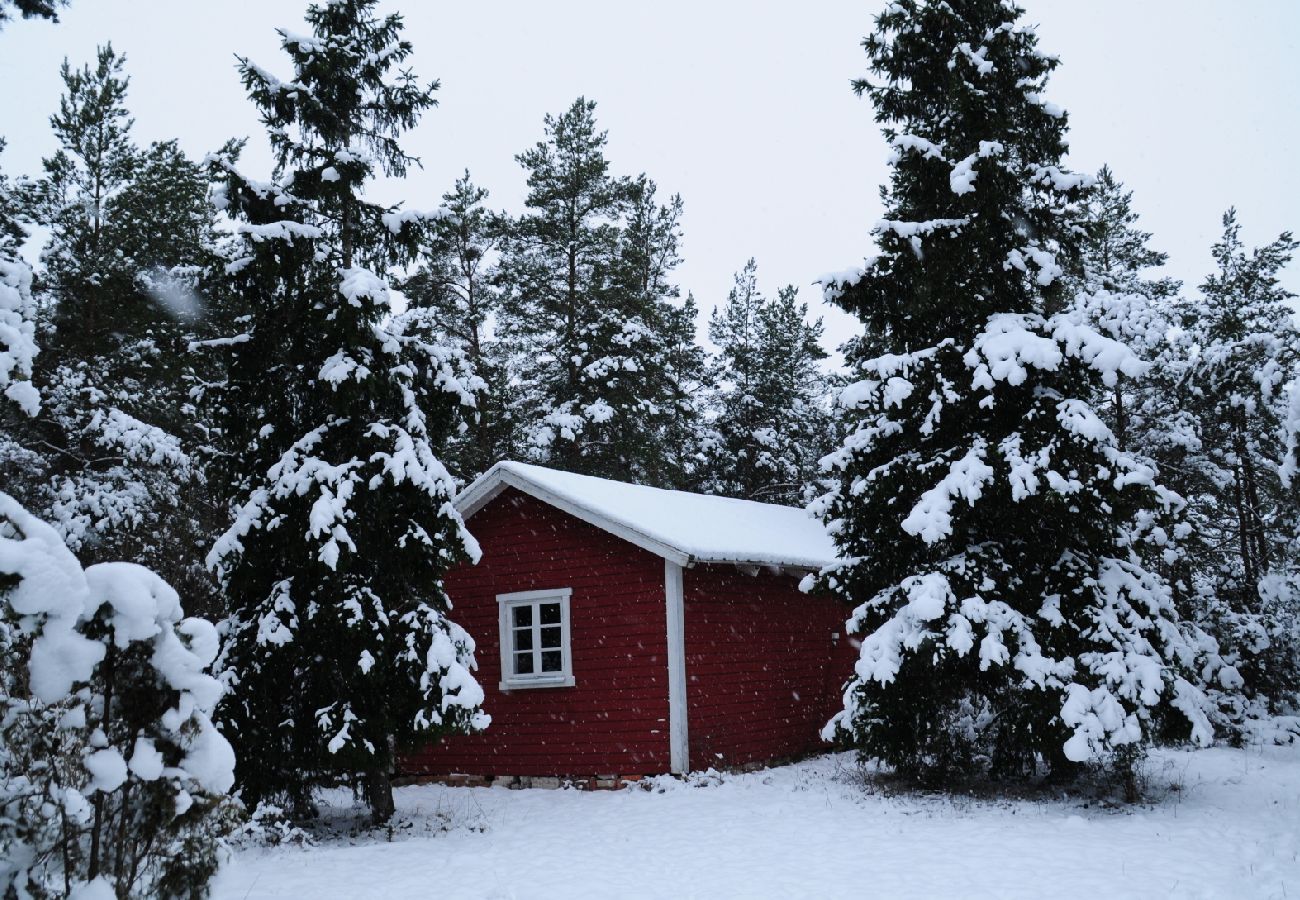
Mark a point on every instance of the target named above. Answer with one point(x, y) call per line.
point(1221, 823)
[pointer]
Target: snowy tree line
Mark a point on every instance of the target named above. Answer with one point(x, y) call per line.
point(1064, 487)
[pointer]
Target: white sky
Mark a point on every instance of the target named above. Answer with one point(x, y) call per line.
point(743, 108)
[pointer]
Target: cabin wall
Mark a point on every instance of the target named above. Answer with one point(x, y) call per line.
point(763, 672)
point(614, 720)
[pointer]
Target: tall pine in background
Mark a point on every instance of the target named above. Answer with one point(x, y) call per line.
point(455, 297)
point(129, 228)
point(339, 646)
point(986, 520)
point(1115, 290)
point(685, 432)
point(1238, 361)
point(769, 427)
point(587, 305)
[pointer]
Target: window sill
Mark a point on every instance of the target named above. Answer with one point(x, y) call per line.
point(531, 683)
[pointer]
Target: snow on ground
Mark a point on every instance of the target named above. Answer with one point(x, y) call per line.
point(1221, 823)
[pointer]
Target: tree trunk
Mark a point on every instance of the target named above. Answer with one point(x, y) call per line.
point(379, 796)
point(1243, 528)
point(1121, 415)
point(109, 670)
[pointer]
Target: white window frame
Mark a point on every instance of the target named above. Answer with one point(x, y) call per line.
point(506, 604)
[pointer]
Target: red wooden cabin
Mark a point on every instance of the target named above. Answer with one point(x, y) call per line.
point(625, 630)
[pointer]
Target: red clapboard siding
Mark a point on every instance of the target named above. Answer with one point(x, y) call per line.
point(762, 672)
point(614, 720)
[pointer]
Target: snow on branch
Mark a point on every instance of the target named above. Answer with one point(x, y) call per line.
point(931, 517)
point(17, 335)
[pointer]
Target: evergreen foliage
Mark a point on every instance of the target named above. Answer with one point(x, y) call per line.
point(12, 215)
point(1116, 296)
point(455, 298)
point(587, 271)
point(130, 228)
point(769, 428)
point(17, 312)
point(339, 645)
point(1236, 363)
point(987, 522)
point(685, 433)
point(31, 9)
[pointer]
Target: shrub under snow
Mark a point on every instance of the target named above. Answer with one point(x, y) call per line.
point(112, 775)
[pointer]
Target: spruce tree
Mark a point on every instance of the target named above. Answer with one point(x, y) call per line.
point(586, 269)
point(769, 426)
point(455, 297)
point(986, 521)
point(340, 648)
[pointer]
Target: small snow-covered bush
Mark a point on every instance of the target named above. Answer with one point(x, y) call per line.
point(113, 779)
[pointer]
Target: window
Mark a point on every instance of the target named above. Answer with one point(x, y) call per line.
point(535, 639)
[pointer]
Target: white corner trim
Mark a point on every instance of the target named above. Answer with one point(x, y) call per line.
point(675, 603)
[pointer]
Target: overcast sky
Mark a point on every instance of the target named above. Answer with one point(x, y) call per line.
point(743, 108)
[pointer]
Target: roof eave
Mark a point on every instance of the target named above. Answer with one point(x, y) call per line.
point(487, 486)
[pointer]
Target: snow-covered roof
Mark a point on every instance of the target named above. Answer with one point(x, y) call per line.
point(685, 528)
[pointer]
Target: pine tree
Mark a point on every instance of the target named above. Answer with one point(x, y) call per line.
point(1240, 349)
point(649, 252)
point(691, 371)
point(986, 520)
point(340, 648)
point(1117, 297)
point(105, 461)
point(454, 297)
point(92, 164)
point(587, 271)
point(769, 426)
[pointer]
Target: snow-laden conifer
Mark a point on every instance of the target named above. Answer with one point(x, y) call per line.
point(987, 520)
point(587, 307)
point(454, 297)
point(105, 461)
point(340, 647)
point(769, 425)
point(17, 308)
point(1118, 292)
point(1235, 370)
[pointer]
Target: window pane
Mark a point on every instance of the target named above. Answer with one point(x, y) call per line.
point(550, 637)
point(523, 663)
point(523, 616)
point(523, 639)
point(550, 613)
point(552, 661)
